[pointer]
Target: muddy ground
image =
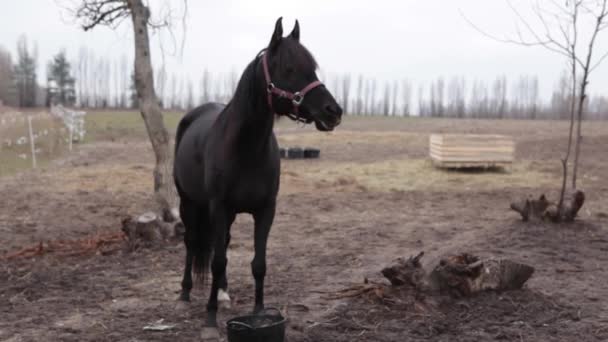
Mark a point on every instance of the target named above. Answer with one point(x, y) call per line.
point(370, 198)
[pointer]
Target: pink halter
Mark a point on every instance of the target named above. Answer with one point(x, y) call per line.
point(296, 98)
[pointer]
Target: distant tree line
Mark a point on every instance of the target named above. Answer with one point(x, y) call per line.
point(92, 81)
point(458, 97)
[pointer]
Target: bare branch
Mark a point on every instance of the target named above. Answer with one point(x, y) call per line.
point(102, 12)
point(597, 64)
point(548, 43)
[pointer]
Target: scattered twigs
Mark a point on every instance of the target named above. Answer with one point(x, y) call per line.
point(74, 247)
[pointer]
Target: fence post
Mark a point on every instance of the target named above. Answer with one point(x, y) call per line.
point(32, 144)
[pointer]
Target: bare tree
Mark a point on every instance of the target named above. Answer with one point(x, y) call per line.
point(423, 109)
point(189, 96)
point(478, 103)
point(335, 86)
point(533, 97)
point(346, 93)
point(204, 87)
point(173, 94)
point(440, 97)
point(234, 78)
point(359, 100)
point(499, 97)
point(124, 83)
point(181, 100)
point(456, 97)
point(8, 91)
point(367, 97)
point(372, 101)
point(386, 100)
point(561, 97)
point(598, 107)
point(406, 97)
point(93, 13)
point(561, 28)
point(394, 98)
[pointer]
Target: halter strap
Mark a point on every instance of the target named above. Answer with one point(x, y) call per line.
point(296, 98)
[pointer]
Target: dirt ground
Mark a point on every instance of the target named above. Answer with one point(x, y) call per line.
point(372, 197)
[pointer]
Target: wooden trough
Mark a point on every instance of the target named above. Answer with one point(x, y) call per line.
point(471, 150)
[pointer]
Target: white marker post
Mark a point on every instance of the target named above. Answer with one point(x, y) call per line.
point(32, 144)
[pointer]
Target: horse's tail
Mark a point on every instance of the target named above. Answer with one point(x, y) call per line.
point(199, 236)
point(204, 241)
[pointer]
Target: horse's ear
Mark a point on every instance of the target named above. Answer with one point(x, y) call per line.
point(276, 35)
point(295, 33)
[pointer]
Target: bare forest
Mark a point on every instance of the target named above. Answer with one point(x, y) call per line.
point(104, 83)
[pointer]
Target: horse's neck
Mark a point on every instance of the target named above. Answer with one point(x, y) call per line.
point(252, 124)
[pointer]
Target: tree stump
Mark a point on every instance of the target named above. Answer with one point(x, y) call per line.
point(465, 274)
point(542, 209)
point(148, 228)
point(459, 275)
point(406, 272)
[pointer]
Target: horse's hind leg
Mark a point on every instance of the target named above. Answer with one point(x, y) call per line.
point(188, 214)
point(222, 295)
point(263, 222)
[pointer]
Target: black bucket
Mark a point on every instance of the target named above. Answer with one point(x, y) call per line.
point(267, 326)
point(295, 153)
point(310, 152)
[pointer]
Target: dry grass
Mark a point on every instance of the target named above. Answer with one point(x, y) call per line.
point(411, 174)
point(125, 178)
point(350, 137)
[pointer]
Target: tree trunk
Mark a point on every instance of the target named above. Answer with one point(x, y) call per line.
point(560, 206)
point(149, 107)
point(579, 137)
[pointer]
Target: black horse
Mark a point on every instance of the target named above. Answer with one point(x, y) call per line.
point(227, 158)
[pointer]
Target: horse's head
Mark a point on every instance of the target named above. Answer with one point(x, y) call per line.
point(292, 84)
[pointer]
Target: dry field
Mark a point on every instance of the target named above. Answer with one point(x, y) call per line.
point(372, 196)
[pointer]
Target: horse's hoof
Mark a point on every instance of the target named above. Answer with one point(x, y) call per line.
point(224, 299)
point(182, 305)
point(210, 334)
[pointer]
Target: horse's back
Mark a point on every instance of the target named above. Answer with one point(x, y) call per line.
point(208, 112)
point(191, 130)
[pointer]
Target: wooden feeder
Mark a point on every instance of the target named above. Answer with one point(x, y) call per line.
point(471, 150)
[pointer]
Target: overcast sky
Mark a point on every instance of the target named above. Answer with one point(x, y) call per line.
point(386, 39)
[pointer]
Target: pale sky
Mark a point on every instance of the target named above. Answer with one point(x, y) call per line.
point(386, 39)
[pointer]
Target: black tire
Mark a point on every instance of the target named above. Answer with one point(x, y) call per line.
point(295, 153)
point(310, 152)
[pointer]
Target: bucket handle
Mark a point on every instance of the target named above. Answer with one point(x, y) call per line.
point(245, 325)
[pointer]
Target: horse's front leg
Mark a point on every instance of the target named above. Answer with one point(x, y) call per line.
point(263, 221)
point(218, 216)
